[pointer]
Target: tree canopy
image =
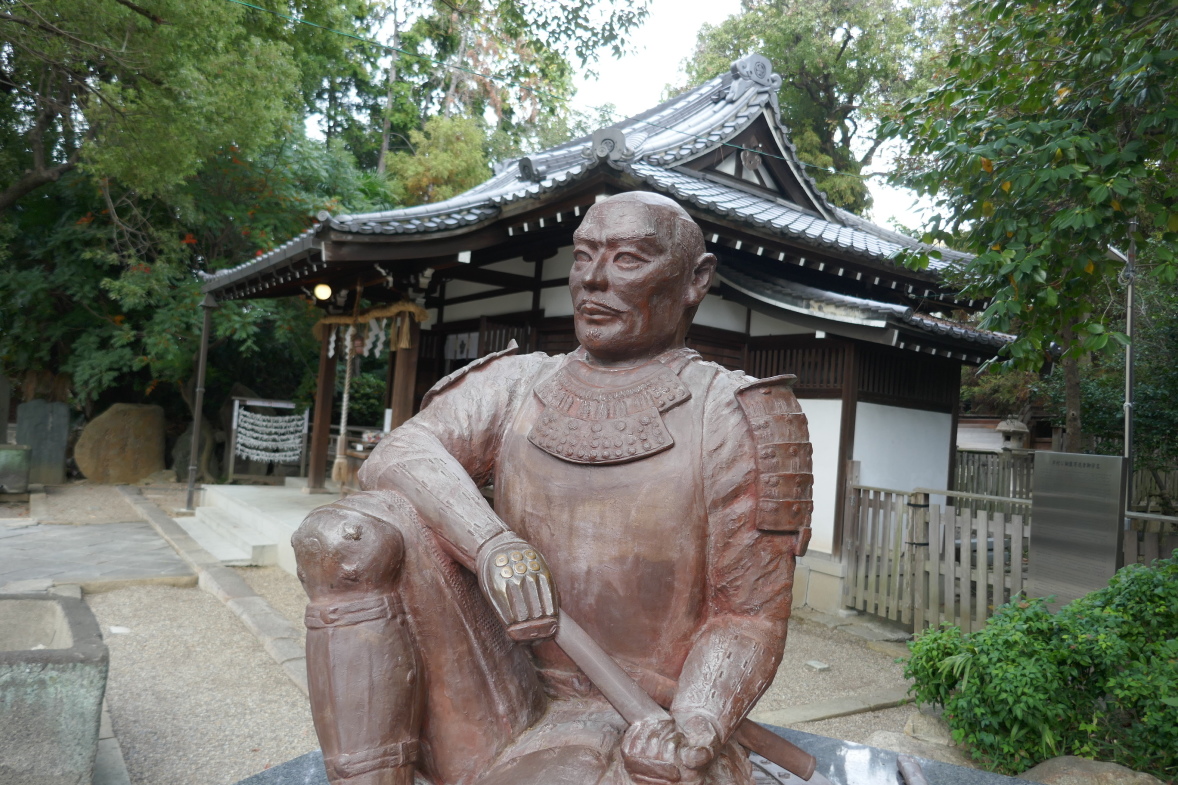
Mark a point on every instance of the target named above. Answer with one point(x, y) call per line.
point(1055, 127)
point(142, 142)
point(845, 64)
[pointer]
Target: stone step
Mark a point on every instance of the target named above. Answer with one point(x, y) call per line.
point(241, 533)
point(221, 549)
point(274, 511)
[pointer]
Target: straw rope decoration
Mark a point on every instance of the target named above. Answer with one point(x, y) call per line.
point(268, 438)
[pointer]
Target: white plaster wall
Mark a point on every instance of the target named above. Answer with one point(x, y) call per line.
point(493, 306)
point(825, 419)
point(767, 325)
point(516, 266)
point(723, 314)
point(556, 300)
point(902, 448)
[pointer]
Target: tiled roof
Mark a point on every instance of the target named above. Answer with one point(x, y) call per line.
point(651, 147)
point(797, 297)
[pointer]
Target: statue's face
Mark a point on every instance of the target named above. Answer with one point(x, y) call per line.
point(630, 292)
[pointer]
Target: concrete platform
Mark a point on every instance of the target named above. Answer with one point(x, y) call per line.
point(251, 524)
point(97, 557)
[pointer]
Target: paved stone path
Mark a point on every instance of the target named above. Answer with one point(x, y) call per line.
point(95, 556)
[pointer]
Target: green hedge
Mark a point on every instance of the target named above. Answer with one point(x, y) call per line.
point(1098, 679)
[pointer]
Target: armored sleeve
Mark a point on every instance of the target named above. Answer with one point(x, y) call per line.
point(756, 465)
point(440, 458)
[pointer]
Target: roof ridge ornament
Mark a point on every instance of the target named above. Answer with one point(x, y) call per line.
point(610, 144)
point(755, 72)
point(530, 170)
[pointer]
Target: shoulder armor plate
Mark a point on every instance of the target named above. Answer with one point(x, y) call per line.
point(783, 454)
point(448, 381)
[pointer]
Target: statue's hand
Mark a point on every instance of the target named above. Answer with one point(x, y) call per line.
point(659, 752)
point(515, 579)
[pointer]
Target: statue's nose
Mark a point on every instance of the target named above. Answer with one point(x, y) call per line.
point(594, 275)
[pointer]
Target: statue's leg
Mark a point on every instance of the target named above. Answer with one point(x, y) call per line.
point(362, 665)
point(409, 660)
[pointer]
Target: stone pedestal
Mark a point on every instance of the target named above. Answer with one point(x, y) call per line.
point(45, 428)
point(53, 667)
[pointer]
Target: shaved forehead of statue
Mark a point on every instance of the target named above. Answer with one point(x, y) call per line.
point(639, 214)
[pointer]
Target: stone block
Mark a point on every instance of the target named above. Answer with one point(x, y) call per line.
point(297, 671)
point(53, 667)
point(928, 725)
point(261, 619)
point(14, 468)
point(1070, 770)
point(124, 444)
point(284, 649)
point(45, 428)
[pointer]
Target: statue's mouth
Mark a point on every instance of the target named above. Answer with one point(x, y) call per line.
point(592, 308)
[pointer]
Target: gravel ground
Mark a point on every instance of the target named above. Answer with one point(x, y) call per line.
point(854, 668)
point(83, 503)
point(169, 498)
point(193, 697)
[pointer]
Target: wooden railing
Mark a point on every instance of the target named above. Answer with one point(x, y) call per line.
point(971, 557)
point(1006, 473)
point(877, 553)
point(922, 564)
point(1150, 537)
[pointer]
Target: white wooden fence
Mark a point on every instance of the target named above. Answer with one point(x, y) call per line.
point(922, 564)
point(966, 562)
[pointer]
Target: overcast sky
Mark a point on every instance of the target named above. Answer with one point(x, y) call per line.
point(635, 83)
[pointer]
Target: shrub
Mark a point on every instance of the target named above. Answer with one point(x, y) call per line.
point(1098, 679)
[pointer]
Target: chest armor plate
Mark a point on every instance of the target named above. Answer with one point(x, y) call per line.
point(602, 416)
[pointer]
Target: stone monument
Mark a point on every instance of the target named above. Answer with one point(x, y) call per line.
point(617, 613)
point(45, 427)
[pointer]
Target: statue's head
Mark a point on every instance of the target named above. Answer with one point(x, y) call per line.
point(640, 270)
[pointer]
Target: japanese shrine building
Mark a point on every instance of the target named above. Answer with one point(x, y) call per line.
point(802, 286)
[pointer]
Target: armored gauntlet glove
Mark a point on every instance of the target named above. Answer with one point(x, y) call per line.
point(515, 579)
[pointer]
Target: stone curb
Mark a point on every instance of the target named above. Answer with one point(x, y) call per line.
point(277, 635)
point(829, 709)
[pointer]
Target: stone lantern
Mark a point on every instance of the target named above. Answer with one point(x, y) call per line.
point(1014, 433)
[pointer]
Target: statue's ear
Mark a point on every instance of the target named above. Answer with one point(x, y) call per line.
point(701, 279)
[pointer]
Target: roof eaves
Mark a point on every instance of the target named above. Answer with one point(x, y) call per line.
point(292, 248)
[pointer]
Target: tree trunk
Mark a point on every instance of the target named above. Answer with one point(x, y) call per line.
point(386, 123)
point(1071, 381)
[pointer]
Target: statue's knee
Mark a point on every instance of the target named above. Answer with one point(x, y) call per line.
point(340, 550)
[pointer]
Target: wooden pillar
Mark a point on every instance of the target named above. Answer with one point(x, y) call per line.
point(953, 428)
point(850, 393)
point(534, 317)
point(405, 376)
point(321, 426)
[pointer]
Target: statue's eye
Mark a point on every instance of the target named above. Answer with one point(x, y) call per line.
point(629, 260)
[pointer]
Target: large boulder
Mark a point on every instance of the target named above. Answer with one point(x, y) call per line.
point(124, 444)
point(1070, 770)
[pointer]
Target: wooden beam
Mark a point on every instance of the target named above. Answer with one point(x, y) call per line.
point(405, 377)
point(321, 424)
point(490, 277)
